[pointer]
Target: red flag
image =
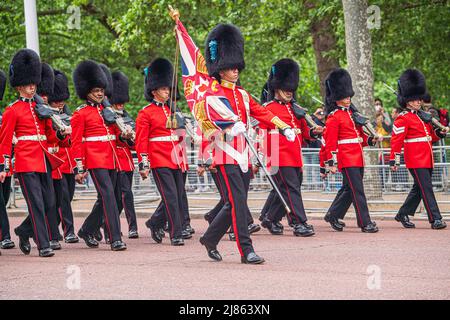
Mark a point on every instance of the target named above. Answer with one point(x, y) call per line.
point(204, 95)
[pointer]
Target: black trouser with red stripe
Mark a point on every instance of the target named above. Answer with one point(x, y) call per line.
point(273, 209)
point(125, 199)
point(421, 190)
point(105, 208)
point(64, 190)
point(159, 217)
point(170, 184)
point(4, 197)
point(343, 206)
point(289, 182)
point(234, 212)
point(221, 189)
point(221, 186)
point(41, 222)
point(352, 191)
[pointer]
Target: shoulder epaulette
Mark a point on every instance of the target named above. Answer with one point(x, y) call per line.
point(9, 105)
point(145, 107)
point(81, 107)
point(267, 103)
point(332, 112)
point(403, 113)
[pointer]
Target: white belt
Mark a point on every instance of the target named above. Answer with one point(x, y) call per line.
point(348, 141)
point(37, 137)
point(108, 137)
point(422, 139)
point(277, 131)
point(165, 138)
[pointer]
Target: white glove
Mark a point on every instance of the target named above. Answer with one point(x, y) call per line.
point(238, 128)
point(289, 134)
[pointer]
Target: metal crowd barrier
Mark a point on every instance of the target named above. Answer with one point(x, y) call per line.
point(378, 176)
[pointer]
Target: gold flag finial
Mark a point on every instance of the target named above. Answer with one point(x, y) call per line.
point(174, 13)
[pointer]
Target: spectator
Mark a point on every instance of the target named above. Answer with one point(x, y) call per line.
point(379, 109)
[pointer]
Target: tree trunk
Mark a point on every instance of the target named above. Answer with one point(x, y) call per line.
point(324, 41)
point(359, 57)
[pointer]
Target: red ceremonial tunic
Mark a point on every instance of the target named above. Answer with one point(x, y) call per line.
point(416, 137)
point(244, 106)
point(93, 141)
point(34, 137)
point(344, 139)
point(163, 146)
point(280, 151)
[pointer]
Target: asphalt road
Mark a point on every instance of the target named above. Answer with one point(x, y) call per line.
point(393, 264)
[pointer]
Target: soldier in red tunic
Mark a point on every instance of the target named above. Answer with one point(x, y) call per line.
point(415, 136)
point(344, 142)
point(285, 157)
point(63, 177)
point(5, 236)
point(159, 148)
point(225, 60)
point(94, 149)
point(33, 162)
point(124, 193)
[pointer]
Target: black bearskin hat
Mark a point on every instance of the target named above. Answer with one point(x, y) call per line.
point(158, 74)
point(61, 88)
point(25, 68)
point(87, 76)
point(284, 75)
point(109, 85)
point(224, 49)
point(411, 86)
point(2, 84)
point(338, 86)
point(120, 88)
point(45, 88)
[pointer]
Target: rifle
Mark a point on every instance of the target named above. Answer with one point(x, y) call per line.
point(44, 111)
point(363, 121)
point(112, 117)
point(425, 116)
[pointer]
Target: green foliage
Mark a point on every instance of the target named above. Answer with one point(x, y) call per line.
point(126, 35)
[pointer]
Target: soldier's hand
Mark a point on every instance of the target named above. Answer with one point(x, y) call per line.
point(394, 168)
point(67, 131)
point(2, 176)
point(318, 130)
point(255, 169)
point(333, 169)
point(144, 174)
point(80, 177)
point(445, 131)
point(201, 170)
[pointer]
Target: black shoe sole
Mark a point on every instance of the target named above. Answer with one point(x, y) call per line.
point(441, 227)
point(11, 246)
point(119, 249)
point(72, 241)
point(336, 228)
point(370, 231)
point(404, 226)
point(304, 235)
point(244, 261)
point(90, 245)
point(47, 255)
point(256, 229)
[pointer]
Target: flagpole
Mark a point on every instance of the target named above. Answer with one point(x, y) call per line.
point(31, 25)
